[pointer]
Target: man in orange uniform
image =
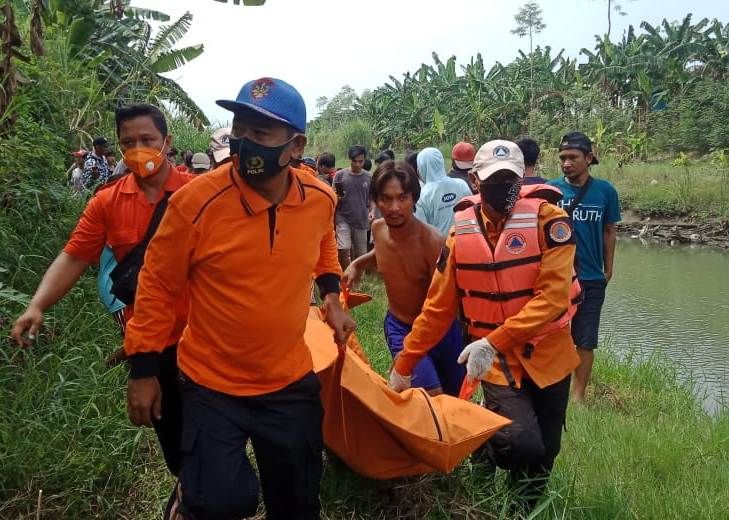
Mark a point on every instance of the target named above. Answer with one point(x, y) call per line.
point(245, 241)
point(507, 265)
point(119, 215)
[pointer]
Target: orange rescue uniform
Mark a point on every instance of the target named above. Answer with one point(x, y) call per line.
point(247, 264)
point(555, 356)
point(118, 215)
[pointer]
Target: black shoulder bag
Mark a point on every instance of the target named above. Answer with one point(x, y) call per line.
point(578, 198)
point(124, 275)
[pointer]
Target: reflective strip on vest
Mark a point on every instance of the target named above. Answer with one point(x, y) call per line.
point(520, 225)
point(467, 230)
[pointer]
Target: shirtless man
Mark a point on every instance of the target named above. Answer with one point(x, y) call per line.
point(406, 253)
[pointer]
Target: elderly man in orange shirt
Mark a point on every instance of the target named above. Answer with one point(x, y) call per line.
point(508, 265)
point(244, 241)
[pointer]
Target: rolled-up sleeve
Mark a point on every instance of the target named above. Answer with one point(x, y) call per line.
point(88, 238)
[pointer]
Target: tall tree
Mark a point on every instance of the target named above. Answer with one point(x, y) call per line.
point(529, 22)
point(617, 8)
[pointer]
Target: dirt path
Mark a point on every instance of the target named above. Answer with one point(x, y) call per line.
point(712, 232)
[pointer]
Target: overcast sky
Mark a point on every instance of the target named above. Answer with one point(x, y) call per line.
point(320, 45)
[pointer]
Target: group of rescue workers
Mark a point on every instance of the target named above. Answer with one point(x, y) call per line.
point(216, 311)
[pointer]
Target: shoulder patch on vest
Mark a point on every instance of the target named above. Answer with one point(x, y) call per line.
point(558, 232)
point(443, 258)
point(515, 243)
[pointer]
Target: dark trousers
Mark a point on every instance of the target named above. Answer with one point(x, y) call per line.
point(528, 446)
point(169, 428)
point(284, 427)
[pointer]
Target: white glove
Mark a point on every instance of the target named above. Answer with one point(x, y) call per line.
point(399, 382)
point(478, 356)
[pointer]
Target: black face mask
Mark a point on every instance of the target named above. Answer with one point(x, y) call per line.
point(256, 161)
point(501, 196)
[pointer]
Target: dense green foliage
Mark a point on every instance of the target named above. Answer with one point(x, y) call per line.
point(627, 96)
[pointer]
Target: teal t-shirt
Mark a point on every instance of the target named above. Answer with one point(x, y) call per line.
point(599, 207)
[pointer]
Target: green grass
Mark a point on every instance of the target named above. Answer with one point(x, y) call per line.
point(660, 189)
point(640, 448)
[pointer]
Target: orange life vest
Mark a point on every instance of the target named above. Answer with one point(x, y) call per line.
point(495, 285)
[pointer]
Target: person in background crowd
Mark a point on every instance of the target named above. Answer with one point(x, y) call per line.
point(594, 218)
point(352, 217)
point(96, 169)
point(77, 173)
point(507, 268)
point(220, 146)
point(405, 252)
point(412, 159)
point(440, 193)
point(187, 159)
point(309, 162)
point(172, 156)
point(245, 241)
point(110, 159)
point(326, 167)
point(367, 166)
point(462, 161)
point(119, 214)
point(530, 148)
point(200, 163)
point(298, 162)
point(384, 155)
point(119, 170)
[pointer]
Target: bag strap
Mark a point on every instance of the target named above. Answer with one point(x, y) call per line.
point(578, 198)
point(159, 211)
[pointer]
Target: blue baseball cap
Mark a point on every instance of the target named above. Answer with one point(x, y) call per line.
point(273, 98)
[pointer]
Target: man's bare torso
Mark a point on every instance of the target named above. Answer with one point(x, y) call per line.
point(406, 263)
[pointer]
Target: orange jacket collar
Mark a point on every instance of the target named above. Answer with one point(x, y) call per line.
point(255, 203)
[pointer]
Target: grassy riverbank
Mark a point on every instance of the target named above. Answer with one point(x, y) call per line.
point(640, 448)
point(696, 189)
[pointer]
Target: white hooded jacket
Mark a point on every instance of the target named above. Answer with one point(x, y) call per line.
point(440, 192)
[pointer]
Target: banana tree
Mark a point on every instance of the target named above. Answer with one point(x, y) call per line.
point(118, 41)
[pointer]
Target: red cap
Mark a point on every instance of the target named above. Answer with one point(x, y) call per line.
point(79, 153)
point(463, 154)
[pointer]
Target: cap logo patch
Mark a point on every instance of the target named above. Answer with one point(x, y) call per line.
point(515, 243)
point(261, 88)
point(501, 152)
point(560, 232)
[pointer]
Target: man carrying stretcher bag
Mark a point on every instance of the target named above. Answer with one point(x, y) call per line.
point(508, 268)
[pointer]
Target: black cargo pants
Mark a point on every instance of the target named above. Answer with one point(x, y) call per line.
point(528, 446)
point(284, 427)
point(169, 428)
